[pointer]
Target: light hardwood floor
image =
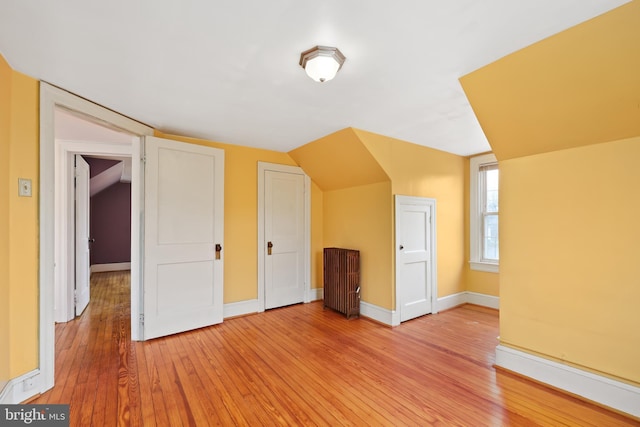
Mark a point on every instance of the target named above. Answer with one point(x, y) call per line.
point(298, 365)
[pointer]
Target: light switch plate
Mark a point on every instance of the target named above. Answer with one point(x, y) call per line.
point(24, 186)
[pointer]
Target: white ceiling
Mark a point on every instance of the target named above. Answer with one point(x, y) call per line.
point(228, 70)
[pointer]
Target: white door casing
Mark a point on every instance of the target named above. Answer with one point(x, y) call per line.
point(284, 233)
point(82, 235)
point(290, 179)
point(183, 225)
point(64, 209)
point(55, 161)
point(416, 279)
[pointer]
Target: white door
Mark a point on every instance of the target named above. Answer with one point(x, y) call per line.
point(82, 235)
point(183, 237)
point(415, 256)
point(284, 238)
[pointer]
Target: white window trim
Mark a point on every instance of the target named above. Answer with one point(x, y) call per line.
point(475, 208)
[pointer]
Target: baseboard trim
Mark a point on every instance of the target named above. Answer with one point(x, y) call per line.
point(451, 301)
point(250, 306)
point(379, 314)
point(115, 266)
point(483, 300)
point(240, 308)
point(597, 388)
point(466, 297)
point(21, 388)
point(372, 311)
point(316, 294)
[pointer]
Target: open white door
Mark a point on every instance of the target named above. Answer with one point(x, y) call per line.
point(82, 236)
point(415, 256)
point(284, 213)
point(183, 237)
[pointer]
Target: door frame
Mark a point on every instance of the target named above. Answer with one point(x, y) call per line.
point(51, 98)
point(433, 276)
point(65, 221)
point(262, 168)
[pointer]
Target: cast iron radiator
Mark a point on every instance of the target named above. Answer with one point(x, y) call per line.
point(342, 280)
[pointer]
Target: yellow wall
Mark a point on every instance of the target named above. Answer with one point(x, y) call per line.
point(424, 172)
point(361, 218)
point(352, 204)
point(5, 140)
point(241, 216)
point(558, 115)
point(569, 267)
point(23, 224)
point(575, 88)
point(339, 160)
point(481, 282)
point(360, 172)
point(18, 224)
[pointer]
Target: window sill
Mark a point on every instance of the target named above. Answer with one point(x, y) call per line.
point(484, 266)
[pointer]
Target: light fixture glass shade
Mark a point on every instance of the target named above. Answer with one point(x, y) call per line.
point(321, 63)
point(321, 68)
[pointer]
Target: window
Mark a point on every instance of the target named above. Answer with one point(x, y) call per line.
point(484, 210)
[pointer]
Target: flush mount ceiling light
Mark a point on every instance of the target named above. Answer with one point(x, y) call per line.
point(321, 63)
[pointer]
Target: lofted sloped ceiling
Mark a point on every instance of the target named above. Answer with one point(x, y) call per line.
point(579, 87)
point(228, 71)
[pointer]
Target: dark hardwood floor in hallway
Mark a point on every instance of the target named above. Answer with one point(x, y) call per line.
point(298, 366)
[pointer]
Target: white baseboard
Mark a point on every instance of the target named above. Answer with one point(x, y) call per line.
point(21, 388)
point(316, 294)
point(379, 314)
point(597, 388)
point(483, 300)
point(392, 317)
point(115, 266)
point(251, 306)
point(240, 308)
point(467, 297)
point(450, 301)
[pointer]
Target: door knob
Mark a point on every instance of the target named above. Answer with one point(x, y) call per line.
point(218, 250)
point(269, 247)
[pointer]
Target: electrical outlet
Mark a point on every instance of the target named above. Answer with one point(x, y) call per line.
point(24, 187)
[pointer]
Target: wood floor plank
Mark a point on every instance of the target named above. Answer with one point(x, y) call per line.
point(272, 362)
point(157, 401)
point(166, 381)
point(298, 365)
point(352, 396)
point(319, 398)
point(212, 380)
